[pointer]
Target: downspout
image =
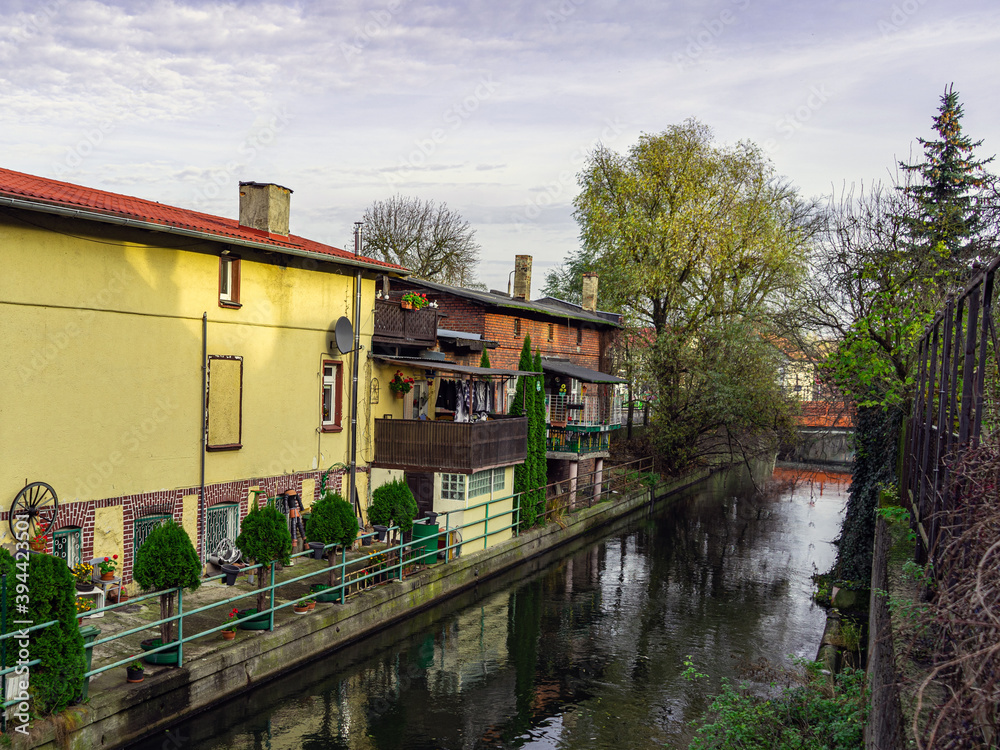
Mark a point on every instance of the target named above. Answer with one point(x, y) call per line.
point(352, 486)
point(202, 510)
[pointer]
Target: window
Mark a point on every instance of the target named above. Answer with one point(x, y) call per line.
point(225, 403)
point(517, 326)
point(480, 483)
point(229, 281)
point(499, 479)
point(223, 523)
point(333, 395)
point(453, 486)
point(67, 544)
point(552, 331)
point(579, 336)
point(142, 528)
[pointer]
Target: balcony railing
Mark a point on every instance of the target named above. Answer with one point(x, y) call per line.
point(396, 325)
point(459, 447)
point(591, 410)
point(561, 440)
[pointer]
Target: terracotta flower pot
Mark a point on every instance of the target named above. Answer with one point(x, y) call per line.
point(406, 305)
point(229, 635)
point(108, 576)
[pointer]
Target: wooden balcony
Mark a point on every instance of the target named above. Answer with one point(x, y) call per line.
point(455, 447)
point(394, 325)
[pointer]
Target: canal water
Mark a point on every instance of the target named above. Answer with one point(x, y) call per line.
point(581, 649)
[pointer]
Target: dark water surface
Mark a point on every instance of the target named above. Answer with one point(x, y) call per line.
point(582, 649)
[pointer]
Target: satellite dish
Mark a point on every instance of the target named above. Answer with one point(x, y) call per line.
point(343, 334)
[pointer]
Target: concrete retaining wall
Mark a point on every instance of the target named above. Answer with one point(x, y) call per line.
point(124, 713)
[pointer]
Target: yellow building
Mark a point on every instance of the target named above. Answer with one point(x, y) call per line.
point(158, 362)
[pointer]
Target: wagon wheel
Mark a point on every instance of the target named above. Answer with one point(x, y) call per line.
point(36, 505)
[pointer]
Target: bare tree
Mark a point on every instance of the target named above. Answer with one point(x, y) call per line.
point(433, 241)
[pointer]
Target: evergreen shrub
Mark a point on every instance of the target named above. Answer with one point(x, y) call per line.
point(393, 503)
point(264, 538)
point(166, 561)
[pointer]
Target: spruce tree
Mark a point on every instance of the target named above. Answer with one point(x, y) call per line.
point(524, 402)
point(540, 463)
point(948, 191)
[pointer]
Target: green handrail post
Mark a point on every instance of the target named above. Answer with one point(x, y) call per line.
point(343, 570)
point(180, 626)
point(270, 601)
point(486, 526)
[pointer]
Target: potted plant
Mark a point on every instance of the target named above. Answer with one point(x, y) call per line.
point(400, 384)
point(413, 301)
point(304, 607)
point(165, 562)
point(83, 573)
point(263, 540)
point(108, 566)
point(332, 521)
point(134, 671)
point(230, 632)
point(393, 503)
point(39, 543)
point(83, 605)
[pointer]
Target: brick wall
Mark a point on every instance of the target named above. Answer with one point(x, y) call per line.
point(502, 328)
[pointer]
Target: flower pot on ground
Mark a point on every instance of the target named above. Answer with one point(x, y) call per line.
point(304, 607)
point(135, 672)
point(250, 620)
point(323, 593)
point(83, 605)
point(229, 635)
point(165, 562)
point(168, 656)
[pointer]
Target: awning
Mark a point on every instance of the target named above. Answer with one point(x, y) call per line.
point(579, 373)
point(443, 366)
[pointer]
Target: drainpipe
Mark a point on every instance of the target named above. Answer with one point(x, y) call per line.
point(352, 486)
point(202, 510)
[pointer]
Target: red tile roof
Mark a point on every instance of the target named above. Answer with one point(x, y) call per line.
point(826, 414)
point(40, 190)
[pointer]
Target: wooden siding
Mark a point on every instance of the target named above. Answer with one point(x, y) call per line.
point(459, 447)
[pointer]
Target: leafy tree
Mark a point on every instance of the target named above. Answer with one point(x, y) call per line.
point(263, 539)
point(540, 467)
point(698, 243)
point(950, 193)
point(167, 560)
point(433, 241)
point(332, 521)
point(393, 503)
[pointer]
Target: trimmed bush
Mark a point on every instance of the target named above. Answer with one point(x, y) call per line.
point(393, 503)
point(57, 681)
point(167, 560)
point(332, 521)
point(263, 539)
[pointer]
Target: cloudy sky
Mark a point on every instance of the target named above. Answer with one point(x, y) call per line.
point(488, 106)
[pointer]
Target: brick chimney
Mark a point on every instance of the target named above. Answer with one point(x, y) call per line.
point(522, 277)
point(589, 302)
point(265, 206)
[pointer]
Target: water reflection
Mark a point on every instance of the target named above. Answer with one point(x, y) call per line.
point(586, 652)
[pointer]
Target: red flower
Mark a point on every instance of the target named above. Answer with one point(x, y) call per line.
point(106, 559)
point(114, 556)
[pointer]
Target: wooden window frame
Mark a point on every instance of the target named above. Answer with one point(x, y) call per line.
point(229, 269)
point(579, 335)
point(336, 424)
point(517, 326)
point(552, 332)
point(239, 442)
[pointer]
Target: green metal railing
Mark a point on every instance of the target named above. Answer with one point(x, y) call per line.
point(393, 560)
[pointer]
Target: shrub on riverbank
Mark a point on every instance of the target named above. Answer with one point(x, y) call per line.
point(806, 716)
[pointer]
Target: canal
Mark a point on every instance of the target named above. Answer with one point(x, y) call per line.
point(581, 649)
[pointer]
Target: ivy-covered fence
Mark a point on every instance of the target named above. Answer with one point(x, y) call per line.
point(956, 385)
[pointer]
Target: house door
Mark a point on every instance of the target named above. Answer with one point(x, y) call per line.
point(421, 484)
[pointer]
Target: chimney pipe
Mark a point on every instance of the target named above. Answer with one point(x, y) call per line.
point(589, 302)
point(265, 206)
point(522, 277)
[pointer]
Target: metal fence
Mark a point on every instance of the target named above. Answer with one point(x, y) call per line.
point(956, 354)
point(499, 517)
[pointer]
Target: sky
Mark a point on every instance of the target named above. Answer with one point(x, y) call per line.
point(490, 107)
